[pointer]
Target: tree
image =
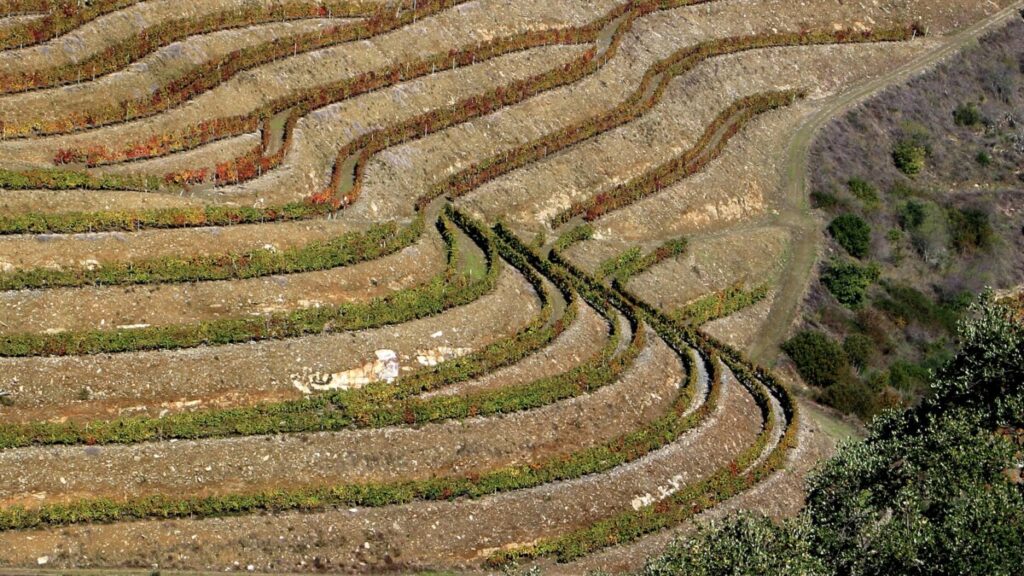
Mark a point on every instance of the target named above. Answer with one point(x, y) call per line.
point(849, 281)
point(927, 492)
point(852, 233)
point(818, 358)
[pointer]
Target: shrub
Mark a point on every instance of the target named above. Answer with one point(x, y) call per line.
point(746, 544)
point(984, 159)
point(859, 349)
point(929, 491)
point(906, 304)
point(851, 396)
point(929, 227)
point(864, 191)
point(970, 230)
point(911, 215)
point(909, 157)
point(852, 233)
point(848, 281)
point(967, 115)
point(818, 358)
point(825, 200)
point(908, 377)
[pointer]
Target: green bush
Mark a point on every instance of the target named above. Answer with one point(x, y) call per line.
point(819, 359)
point(747, 544)
point(849, 281)
point(864, 191)
point(851, 396)
point(906, 304)
point(911, 214)
point(860, 349)
point(825, 200)
point(970, 230)
point(984, 159)
point(908, 377)
point(967, 115)
point(909, 157)
point(928, 224)
point(852, 233)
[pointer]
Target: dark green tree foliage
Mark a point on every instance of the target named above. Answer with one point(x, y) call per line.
point(912, 215)
point(860, 349)
point(911, 150)
point(852, 233)
point(928, 492)
point(907, 305)
point(851, 396)
point(818, 358)
point(849, 281)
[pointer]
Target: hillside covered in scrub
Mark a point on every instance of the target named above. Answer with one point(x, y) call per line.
point(921, 186)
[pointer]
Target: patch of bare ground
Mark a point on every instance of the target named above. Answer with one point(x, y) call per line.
point(424, 534)
point(713, 263)
point(150, 383)
point(581, 342)
point(80, 250)
point(168, 304)
point(49, 201)
point(691, 102)
point(738, 330)
point(460, 448)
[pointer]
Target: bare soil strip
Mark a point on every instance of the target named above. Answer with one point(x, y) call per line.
point(225, 466)
point(104, 387)
point(461, 532)
point(581, 342)
point(690, 103)
point(111, 307)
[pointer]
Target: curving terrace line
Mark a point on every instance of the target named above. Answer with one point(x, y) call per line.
point(107, 307)
point(150, 382)
point(386, 455)
point(392, 40)
point(112, 42)
point(608, 480)
point(52, 19)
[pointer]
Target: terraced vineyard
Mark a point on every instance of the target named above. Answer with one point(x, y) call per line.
point(377, 285)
